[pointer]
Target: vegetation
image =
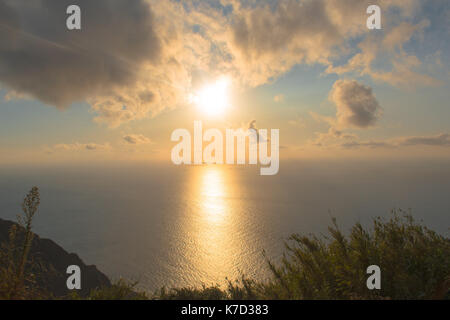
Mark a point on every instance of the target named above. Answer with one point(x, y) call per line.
point(414, 262)
point(16, 278)
point(121, 290)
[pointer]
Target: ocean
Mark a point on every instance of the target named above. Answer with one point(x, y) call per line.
point(163, 225)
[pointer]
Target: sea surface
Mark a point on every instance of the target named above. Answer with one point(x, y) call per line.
point(164, 225)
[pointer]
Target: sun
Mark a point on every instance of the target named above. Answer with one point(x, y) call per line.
point(213, 99)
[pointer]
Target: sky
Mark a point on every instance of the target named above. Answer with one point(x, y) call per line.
point(118, 88)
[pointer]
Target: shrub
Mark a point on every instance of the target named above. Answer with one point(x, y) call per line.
point(120, 290)
point(414, 262)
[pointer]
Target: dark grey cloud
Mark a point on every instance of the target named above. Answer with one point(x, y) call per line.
point(39, 57)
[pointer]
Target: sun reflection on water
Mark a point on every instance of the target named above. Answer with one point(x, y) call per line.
point(212, 196)
point(212, 227)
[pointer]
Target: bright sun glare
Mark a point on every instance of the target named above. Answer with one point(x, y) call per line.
point(213, 98)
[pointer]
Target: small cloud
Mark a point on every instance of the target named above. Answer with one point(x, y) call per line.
point(136, 139)
point(78, 147)
point(368, 144)
point(438, 140)
point(95, 146)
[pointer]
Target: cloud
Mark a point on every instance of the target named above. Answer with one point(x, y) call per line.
point(136, 139)
point(118, 62)
point(133, 59)
point(79, 147)
point(398, 66)
point(356, 105)
point(437, 140)
point(353, 142)
point(332, 137)
point(257, 41)
point(267, 39)
point(356, 108)
point(368, 144)
point(440, 140)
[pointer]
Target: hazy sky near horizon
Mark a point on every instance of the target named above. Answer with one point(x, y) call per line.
point(118, 87)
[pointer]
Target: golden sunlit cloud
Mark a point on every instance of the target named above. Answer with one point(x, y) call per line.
point(213, 99)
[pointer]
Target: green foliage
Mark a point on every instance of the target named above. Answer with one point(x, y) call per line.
point(243, 289)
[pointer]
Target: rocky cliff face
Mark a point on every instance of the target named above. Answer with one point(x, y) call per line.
point(50, 262)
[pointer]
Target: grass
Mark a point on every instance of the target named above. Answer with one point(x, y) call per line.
point(414, 262)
